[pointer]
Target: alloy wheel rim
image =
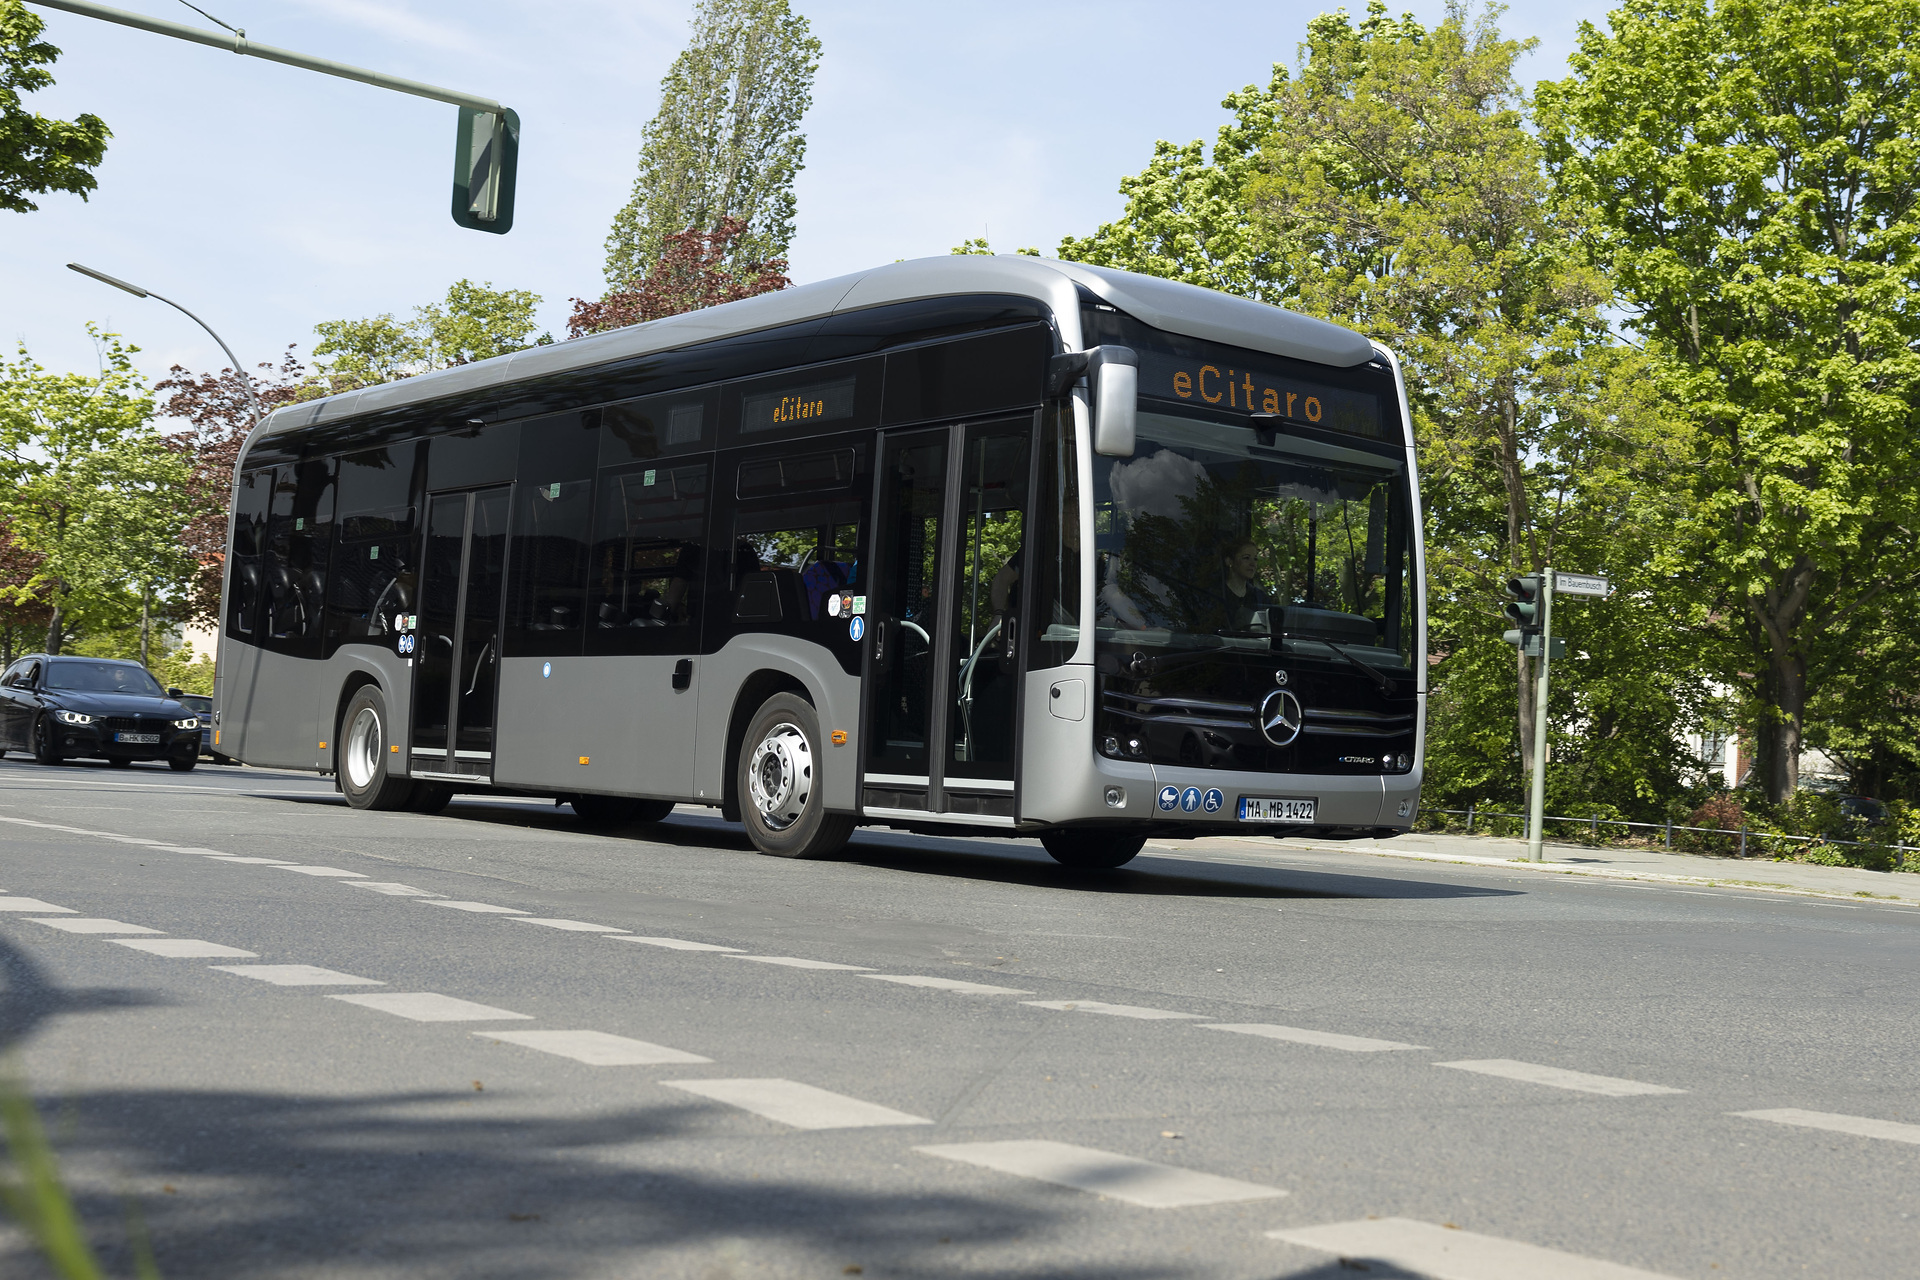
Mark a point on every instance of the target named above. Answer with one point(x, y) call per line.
point(363, 748)
point(780, 776)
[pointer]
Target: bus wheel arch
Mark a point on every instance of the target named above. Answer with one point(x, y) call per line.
point(753, 694)
point(779, 785)
point(363, 743)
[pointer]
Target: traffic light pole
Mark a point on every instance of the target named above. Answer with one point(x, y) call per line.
point(1537, 800)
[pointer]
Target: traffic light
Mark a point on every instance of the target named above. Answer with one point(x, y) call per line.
point(486, 161)
point(1523, 608)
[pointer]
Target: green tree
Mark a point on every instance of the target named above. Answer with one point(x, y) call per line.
point(726, 142)
point(978, 247)
point(38, 155)
point(1750, 173)
point(92, 490)
point(475, 322)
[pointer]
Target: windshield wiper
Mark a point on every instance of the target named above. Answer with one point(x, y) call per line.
point(1374, 673)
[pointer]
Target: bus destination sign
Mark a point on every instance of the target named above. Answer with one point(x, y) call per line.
point(1197, 380)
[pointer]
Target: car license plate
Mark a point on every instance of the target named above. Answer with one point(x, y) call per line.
point(137, 737)
point(1275, 809)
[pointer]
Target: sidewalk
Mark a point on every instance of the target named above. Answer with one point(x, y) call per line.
point(1621, 864)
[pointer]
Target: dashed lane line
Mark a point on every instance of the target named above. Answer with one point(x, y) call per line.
point(1111, 1010)
point(430, 1006)
point(393, 889)
point(185, 948)
point(478, 908)
point(31, 904)
point(1103, 1173)
point(337, 873)
point(675, 944)
point(239, 860)
point(800, 1106)
point(298, 975)
point(87, 924)
point(1447, 1253)
point(571, 926)
point(596, 1048)
point(1858, 1126)
point(797, 962)
point(946, 984)
point(1559, 1077)
point(1302, 1035)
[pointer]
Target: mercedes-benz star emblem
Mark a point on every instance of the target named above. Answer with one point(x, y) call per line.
point(1280, 717)
point(1280, 678)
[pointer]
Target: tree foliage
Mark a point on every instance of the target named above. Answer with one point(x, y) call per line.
point(1750, 171)
point(475, 322)
point(39, 155)
point(696, 269)
point(726, 142)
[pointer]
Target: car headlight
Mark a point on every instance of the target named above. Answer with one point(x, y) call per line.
point(191, 722)
point(72, 717)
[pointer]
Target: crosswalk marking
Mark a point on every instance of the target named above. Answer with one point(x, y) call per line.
point(796, 962)
point(1112, 1010)
point(1446, 1253)
point(1559, 1077)
point(88, 924)
point(572, 926)
point(801, 1106)
point(1301, 1035)
point(676, 944)
point(393, 889)
point(596, 1048)
point(250, 862)
point(334, 872)
point(30, 904)
point(478, 908)
point(429, 1006)
point(1859, 1126)
point(946, 984)
point(184, 948)
point(298, 975)
point(1141, 1182)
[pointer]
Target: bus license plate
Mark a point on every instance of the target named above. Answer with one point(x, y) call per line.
point(1275, 809)
point(153, 738)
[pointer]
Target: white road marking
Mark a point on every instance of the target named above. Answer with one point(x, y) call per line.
point(1559, 1077)
point(30, 904)
point(1445, 1253)
point(802, 1106)
point(573, 926)
point(1301, 1035)
point(250, 862)
point(84, 924)
point(1112, 1010)
point(1859, 1126)
point(795, 962)
point(482, 908)
point(211, 853)
point(392, 889)
point(676, 944)
point(1141, 1182)
point(596, 1048)
point(429, 1006)
point(335, 872)
point(184, 948)
point(946, 984)
point(298, 975)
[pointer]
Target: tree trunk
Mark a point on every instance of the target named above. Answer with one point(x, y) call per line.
point(56, 624)
point(1777, 617)
point(146, 622)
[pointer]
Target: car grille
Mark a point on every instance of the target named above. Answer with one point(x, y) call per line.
point(135, 724)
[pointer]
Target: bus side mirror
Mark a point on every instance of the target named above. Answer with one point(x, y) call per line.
point(1115, 375)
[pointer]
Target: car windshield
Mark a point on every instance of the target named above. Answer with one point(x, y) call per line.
point(102, 677)
point(196, 701)
point(1214, 535)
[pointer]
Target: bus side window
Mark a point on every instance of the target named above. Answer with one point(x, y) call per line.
point(372, 577)
point(247, 584)
point(643, 587)
point(299, 538)
point(548, 566)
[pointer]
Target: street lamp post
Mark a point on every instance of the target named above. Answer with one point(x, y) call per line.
point(246, 381)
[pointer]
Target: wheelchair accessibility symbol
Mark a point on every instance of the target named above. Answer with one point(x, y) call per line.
point(1212, 801)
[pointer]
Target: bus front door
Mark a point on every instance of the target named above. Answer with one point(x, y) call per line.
point(457, 637)
point(942, 681)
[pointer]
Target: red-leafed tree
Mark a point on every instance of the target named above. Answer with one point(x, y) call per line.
point(693, 271)
point(219, 414)
point(23, 614)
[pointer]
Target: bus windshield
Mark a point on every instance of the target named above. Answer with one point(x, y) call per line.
point(1216, 535)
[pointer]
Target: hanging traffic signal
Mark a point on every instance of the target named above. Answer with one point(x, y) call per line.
point(486, 163)
point(1523, 608)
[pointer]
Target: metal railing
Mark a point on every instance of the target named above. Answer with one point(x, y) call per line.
point(1743, 834)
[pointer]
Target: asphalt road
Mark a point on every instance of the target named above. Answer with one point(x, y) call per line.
point(489, 1044)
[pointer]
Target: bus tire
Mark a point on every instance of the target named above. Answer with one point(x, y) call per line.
point(362, 744)
point(1090, 848)
point(778, 777)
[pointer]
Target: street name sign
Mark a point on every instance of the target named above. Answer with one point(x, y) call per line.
point(1580, 584)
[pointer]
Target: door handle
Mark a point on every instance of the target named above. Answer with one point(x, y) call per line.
point(879, 641)
point(683, 675)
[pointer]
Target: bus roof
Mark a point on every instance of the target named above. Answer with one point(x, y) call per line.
point(1164, 304)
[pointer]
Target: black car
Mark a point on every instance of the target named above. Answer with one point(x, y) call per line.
point(58, 708)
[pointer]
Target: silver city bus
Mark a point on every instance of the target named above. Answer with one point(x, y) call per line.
point(961, 545)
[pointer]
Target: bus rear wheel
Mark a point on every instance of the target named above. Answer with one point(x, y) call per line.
point(363, 752)
point(1091, 849)
point(778, 780)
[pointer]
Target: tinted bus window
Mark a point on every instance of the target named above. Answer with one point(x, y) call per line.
point(299, 544)
point(644, 584)
point(974, 375)
point(247, 585)
point(552, 535)
point(638, 430)
point(372, 576)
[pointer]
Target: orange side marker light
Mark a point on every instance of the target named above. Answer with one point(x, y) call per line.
point(586, 759)
point(839, 737)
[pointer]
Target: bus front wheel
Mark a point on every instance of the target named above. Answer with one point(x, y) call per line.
point(1091, 849)
point(778, 777)
point(364, 749)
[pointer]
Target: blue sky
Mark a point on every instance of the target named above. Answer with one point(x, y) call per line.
point(267, 199)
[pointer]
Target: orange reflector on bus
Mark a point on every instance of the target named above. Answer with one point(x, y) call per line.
point(216, 737)
point(394, 749)
point(586, 759)
point(839, 737)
